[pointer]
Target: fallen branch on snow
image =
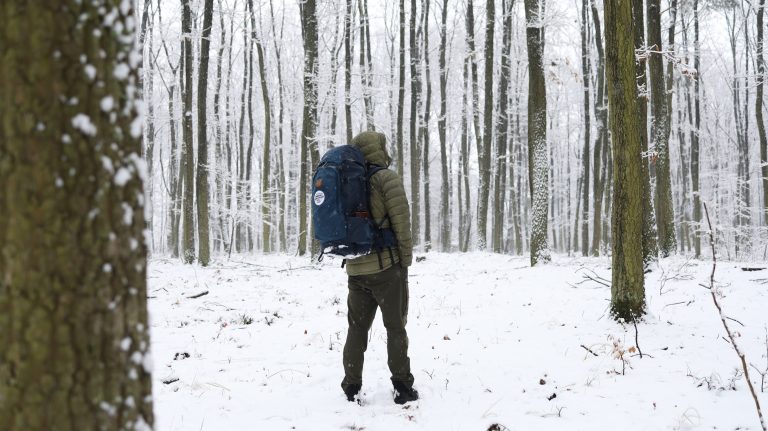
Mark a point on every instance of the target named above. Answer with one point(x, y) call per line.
point(725, 324)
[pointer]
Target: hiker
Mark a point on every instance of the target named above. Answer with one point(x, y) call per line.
point(380, 278)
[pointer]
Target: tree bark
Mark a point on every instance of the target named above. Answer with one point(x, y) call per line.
point(585, 74)
point(415, 66)
point(502, 133)
point(309, 150)
point(73, 255)
point(601, 141)
point(201, 187)
point(348, 70)
point(266, 167)
point(627, 284)
point(484, 152)
point(401, 93)
point(759, 109)
point(696, 133)
point(660, 128)
point(445, 216)
point(187, 156)
point(650, 241)
point(538, 155)
point(425, 130)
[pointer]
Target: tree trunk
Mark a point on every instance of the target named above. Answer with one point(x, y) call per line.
point(470, 23)
point(266, 167)
point(425, 130)
point(660, 128)
point(187, 156)
point(696, 133)
point(401, 93)
point(759, 109)
point(627, 284)
point(415, 66)
point(366, 65)
point(538, 156)
point(201, 187)
point(309, 121)
point(463, 179)
point(601, 141)
point(502, 133)
point(219, 151)
point(73, 256)
point(484, 152)
point(348, 70)
point(445, 218)
point(585, 73)
point(280, 184)
point(650, 242)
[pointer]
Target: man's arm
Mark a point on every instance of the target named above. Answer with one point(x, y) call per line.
point(396, 204)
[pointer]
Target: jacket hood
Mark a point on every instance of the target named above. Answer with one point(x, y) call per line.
point(374, 148)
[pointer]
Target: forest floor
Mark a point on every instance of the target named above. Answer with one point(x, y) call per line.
point(492, 341)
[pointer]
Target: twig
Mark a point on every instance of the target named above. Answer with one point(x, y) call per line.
point(589, 350)
point(725, 324)
point(198, 295)
point(637, 344)
point(731, 318)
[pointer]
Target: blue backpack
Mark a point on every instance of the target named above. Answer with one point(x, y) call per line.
point(340, 206)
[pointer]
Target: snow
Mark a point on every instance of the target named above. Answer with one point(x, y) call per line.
point(122, 176)
point(121, 71)
point(107, 103)
point(83, 123)
point(491, 341)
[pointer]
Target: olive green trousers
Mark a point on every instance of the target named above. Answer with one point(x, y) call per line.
point(387, 290)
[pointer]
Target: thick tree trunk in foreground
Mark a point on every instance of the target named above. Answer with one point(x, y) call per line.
point(627, 283)
point(73, 268)
point(538, 157)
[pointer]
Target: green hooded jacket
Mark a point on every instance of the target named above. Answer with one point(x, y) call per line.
point(387, 198)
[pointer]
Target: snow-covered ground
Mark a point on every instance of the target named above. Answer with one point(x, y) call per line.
point(492, 341)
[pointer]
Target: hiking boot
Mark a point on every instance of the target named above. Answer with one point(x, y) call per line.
point(404, 394)
point(351, 391)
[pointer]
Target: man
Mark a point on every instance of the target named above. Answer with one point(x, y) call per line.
point(380, 279)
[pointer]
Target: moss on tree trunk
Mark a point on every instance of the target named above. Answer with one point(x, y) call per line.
point(73, 312)
point(627, 287)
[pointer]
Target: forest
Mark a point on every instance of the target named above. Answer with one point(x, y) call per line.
point(586, 180)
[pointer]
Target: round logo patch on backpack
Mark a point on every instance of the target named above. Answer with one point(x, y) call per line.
point(319, 197)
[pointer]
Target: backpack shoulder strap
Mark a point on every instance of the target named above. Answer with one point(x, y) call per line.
point(372, 170)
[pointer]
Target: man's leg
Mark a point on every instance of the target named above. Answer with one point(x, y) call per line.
point(361, 310)
point(392, 296)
